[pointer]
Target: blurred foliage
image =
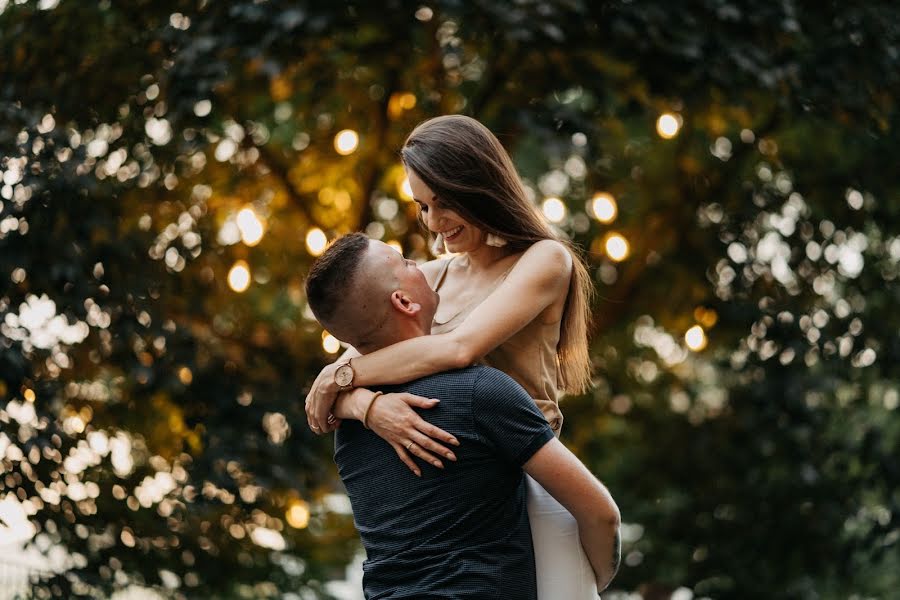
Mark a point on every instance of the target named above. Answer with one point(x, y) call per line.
point(152, 420)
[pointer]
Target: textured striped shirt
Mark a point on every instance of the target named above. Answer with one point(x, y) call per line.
point(461, 532)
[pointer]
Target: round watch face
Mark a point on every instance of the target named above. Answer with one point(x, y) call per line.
point(344, 375)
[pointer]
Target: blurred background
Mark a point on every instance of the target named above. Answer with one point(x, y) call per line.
point(170, 168)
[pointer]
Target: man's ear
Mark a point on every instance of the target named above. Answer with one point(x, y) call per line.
point(401, 301)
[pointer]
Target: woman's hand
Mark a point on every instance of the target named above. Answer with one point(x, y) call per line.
point(393, 419)
point(320, 401)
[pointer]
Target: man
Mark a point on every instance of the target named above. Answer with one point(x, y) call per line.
point(460, 531)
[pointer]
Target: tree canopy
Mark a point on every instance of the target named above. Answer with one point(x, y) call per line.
point(170, 168)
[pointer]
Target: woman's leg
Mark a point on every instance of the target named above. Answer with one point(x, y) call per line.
point(562, 569)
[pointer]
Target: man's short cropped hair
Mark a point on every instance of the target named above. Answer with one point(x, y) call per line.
point(332, 275)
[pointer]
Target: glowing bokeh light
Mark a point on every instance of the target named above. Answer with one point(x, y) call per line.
point(616, 247)
point(239, 276)
point(268, 538)
point(185, 376)
point(297, 514)
point(706, 317)
point(400, 102)
point(250, 226)
point(330, 344)
point(395, 245)
point(554, 210)
point(346, 142)
point(74, 424)
point(695, 338)
point(604, 208)
point(14, 516)
point(202, 108)
point(404, 189)
point(316, 241)
point(668, 125)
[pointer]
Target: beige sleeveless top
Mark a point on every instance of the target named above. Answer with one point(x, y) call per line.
point(529, 356)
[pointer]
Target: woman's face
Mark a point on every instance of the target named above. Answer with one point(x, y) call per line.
point(459, 234)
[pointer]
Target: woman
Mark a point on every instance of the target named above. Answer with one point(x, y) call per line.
point(514, 297)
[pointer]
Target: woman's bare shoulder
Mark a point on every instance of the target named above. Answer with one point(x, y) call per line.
point(553, 248)
point(548, 255)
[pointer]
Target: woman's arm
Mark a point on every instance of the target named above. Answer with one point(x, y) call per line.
point(347, 354)
point(431, 270)
point(595, 511)
point(541, 276)
point(392, 418)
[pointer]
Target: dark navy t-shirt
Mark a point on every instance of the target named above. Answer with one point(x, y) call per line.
point(460, 532)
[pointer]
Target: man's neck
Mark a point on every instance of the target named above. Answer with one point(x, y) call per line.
point(408, 332)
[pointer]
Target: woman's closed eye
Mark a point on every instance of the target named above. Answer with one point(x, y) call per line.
point(435, 201)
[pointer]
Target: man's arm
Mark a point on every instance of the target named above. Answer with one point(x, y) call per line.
point(568, 480)
point(507, 416)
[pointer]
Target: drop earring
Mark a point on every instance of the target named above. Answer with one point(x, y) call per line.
point(495, 240)
point(437, 248)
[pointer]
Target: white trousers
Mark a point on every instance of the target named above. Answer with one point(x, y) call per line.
point(562, 568)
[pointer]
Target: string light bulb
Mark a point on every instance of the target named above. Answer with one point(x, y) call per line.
point(695, 338)
point(668, 125)
point(316, 241)
point(297, 514)
point(604, 208)
point(239, 276)
point(616, 247)
point(405, 189)
point(554, 210)
point(346, 142)
point(250, 226)
point(330, 344)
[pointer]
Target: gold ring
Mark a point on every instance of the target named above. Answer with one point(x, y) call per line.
point(409, 445)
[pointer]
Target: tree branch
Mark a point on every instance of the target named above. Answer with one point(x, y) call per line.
point(374, 164)
point(282, 174)
point(499, 70)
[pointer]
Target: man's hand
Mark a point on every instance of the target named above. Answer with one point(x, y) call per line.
point(393, 419)
point(320, 400)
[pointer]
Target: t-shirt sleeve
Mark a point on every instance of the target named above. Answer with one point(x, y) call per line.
point(507, 417)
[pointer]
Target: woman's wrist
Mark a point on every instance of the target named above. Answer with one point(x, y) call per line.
point(352, 404)
point(359, 380)
point(368, 412)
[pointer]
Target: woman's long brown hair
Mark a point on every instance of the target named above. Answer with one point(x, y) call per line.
point(471, 173)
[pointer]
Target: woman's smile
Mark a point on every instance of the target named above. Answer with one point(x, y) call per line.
point(452, 234)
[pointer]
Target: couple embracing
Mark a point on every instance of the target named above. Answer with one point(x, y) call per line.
point(458, 483)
